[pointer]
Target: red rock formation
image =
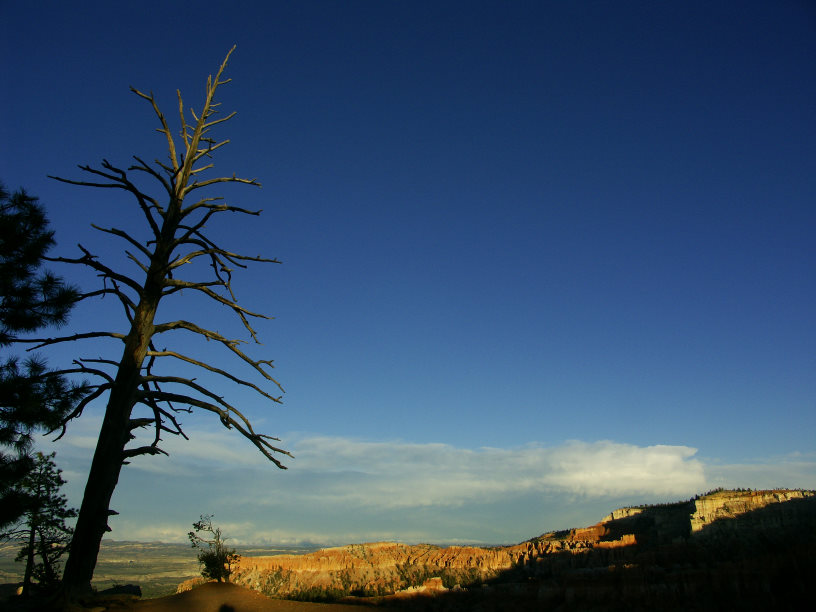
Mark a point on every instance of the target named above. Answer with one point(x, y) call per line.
point(385, 567)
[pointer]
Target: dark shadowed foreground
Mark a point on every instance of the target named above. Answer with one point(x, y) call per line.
point(209, 597)
point(225, 597)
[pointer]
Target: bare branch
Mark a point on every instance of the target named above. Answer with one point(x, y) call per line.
point(221, 179)
point(120, 181)
point(208, 125)
point(216, 263)
point(189, 230)
point(215, 253)
point(233, 258)
point(188, 382)
point(100, 360)
point(127, 304)
point(83, 369)
point(167, 169)
point(122, 234)
point(137, 423)
point(236, 308)
point(77, 411)
point(171, 145)
point(205, 203)
point(225, 374)
point(198, 132)
point(243, 426)
point(202, 168)
point(91, 261)
point(46, 341)
point(123, 297)
point(135, 260)
point(160, 328)
point(143, 450)
point(211, 148)
point(143, 167)
point(183, 121)
point(87, 183)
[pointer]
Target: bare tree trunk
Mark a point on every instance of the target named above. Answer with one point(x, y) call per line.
point(92, 522)
point(49, 575)
point(29, 559)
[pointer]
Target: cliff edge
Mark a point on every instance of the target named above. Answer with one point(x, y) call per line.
point(385, 568)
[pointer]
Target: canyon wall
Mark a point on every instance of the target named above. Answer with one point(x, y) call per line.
point(384, 568)
point(730, 504)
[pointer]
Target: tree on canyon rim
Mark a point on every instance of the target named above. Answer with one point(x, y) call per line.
point(32, 397)
point(176, 240)
point(42, 531)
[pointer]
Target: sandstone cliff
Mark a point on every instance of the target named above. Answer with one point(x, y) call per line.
point(385, 568)
point(730, 504)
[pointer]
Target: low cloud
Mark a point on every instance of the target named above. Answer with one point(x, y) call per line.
point(341, 490)
point(397, 474)
point(400, 474)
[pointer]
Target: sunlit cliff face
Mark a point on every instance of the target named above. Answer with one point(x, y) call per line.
point(384, 567)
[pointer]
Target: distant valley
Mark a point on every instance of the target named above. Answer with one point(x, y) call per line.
point(157, 567)
point(711, 552)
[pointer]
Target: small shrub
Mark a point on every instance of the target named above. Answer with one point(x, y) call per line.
point(215, 558)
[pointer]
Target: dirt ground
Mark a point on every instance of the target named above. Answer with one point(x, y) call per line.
point(210, 597)
point(224, 597)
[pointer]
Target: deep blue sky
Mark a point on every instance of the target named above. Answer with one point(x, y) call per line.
point(502, 224)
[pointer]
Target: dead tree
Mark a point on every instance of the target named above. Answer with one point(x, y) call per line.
point(177, 237)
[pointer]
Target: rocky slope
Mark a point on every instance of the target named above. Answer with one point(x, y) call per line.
point(628, 533)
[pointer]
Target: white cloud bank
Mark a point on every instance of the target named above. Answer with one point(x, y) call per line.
point(400, 474)
point(340, 490)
